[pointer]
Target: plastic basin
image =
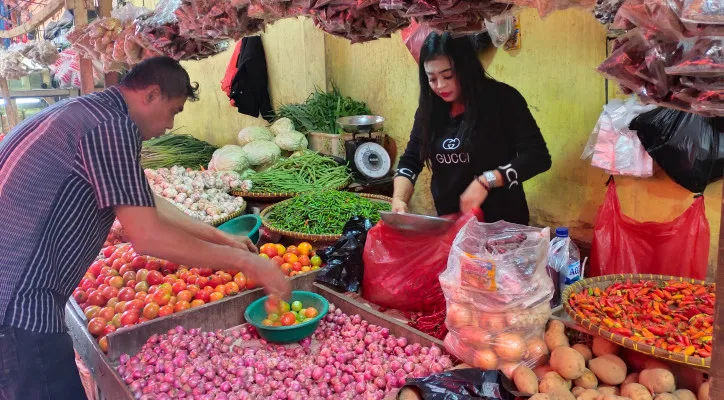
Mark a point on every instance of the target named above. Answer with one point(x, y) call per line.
point(256, 313)
point(245, 225)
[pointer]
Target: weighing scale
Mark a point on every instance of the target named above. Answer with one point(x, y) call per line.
point(367, 159)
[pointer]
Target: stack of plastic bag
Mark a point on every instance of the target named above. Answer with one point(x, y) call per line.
point(615, 148)
point(498, 292)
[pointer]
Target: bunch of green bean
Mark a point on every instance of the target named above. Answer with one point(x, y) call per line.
point(319, 113)
point(323, 213)
point(300, 173)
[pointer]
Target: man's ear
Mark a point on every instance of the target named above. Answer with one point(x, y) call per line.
point(153, 92)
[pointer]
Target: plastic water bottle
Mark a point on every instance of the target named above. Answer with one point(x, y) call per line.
point(564, 263)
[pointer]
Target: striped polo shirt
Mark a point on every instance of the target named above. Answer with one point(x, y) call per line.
point(61, 173)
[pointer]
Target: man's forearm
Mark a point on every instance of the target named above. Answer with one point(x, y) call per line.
point(171, 215)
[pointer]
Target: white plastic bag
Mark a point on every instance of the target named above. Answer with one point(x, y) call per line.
point(615, 148)
point(500, 28)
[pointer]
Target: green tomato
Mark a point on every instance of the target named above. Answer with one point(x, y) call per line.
point(297, 306)
point(301, 318)
point(273, 317)
point(284, 306)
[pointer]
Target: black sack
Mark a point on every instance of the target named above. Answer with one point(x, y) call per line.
point(688, 147)
point(345, 267)
point(463, 384)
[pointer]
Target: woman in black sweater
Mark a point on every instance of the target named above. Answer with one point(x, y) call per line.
point(474, 133)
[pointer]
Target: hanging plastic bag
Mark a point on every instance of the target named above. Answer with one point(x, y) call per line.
point(703, 12)
point(500, 28)
point(413, 36)
point(622, 245)
point(401, 271)
point(706, 58)
point(462, 384)
point(687, 146)
point(613, 147)
point(344, 267)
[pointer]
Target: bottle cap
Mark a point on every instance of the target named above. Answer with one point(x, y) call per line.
point(562, 232)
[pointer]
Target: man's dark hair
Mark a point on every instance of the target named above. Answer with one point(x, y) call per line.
point(165, 72)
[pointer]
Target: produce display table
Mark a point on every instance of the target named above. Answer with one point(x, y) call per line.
point(224, 314)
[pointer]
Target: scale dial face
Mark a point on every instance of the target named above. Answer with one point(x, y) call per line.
point(372, 160)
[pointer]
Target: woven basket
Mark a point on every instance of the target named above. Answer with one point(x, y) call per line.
point(603, 282)
point(231, 216)
point(274, 197)
point(310, 237)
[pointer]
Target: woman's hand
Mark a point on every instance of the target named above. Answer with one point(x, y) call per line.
point(473, 197)
point(399, 206)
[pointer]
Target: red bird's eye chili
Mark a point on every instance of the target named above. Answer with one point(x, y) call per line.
point(675, 316)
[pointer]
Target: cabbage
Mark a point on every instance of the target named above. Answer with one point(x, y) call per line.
point(282, 125)
point(291, 141)
point(252, 134)
point(229, 158)
point(262, 152)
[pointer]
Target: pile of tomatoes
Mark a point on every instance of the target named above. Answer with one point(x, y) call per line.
point(281, 313)
point(292, 260)
point(123, 288)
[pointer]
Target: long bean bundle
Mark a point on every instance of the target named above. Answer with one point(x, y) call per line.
point(300, 173)
point(172, 149)
point(323, 213)
point(319, 113)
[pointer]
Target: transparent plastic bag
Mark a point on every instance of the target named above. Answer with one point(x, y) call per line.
point(653, 17)
point(500, 28)
point(127, 13)
point(498, 265)
point(705, 59)
point(703, 11)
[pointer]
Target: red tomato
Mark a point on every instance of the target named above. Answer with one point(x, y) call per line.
point(311, 312)
point(202, 295)
point(297, 266)
point(288, 319)
point(113, 273)
point(95, 268)
point(108, 251)
point(134, 304)
point(150, 311)
point(131, 284)
point(240, 280)
point(80, 296)
point(250, 284)
point(193, 289)
point(182, 305)
point(205, 271)
point(166, 287)
point(129, 317)
point(117, 264)
point(225, 277)
point(221, 289)
point(165, 310)
point(116, 282)
point(270, 250)
point(184, 276)
point(124, 269)
point(202, 281)
point(170, 279)
point(103, 344)
point(154, 278)
point(110, 292)
point(178, 287)
point(184, 295)
point(138, 262)
point(141, 296)
point(96, 298)
point(110, 328)
point(304, 260)
point(215, 280)
point(161, 297)
point(148, 299)
point(96, 326)
point(286, 268)
point(197, 303)
point(231, 289)
point(272, 305)
point(278, 260)
point(195, 271)
point(129, 276)
point(126, 294)
point(293, 250)
point(106, 313)
point(86, 284)
point(216, 296)
point(91, 312)
point(192, 279)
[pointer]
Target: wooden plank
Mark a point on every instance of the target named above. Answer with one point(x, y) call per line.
point(38, 18)
point(717, 357)
point(87, 84)
point(44, 93)
point(10, 109)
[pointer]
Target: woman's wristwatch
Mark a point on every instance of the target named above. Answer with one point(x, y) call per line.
point(487, 180)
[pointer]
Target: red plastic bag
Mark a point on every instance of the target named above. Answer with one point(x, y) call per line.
point(622, 245)
point(413, 36)
point(401, 271)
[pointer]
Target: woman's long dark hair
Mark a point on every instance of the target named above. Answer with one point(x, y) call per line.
point(434, 112)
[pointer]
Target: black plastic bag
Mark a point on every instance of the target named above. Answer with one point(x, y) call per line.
point(464, 383)
point(687, 146)
point(345, 267)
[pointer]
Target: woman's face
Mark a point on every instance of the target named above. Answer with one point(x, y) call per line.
point(442, 79)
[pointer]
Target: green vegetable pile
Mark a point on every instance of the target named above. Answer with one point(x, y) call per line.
point(300, 173)
point(323, 213)
point(171, 149)
point(321, 110)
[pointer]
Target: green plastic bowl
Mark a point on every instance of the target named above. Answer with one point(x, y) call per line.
point(245, 225)
point(256, 313)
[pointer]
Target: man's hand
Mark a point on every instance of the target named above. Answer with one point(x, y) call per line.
point(238, 241)
point(473, 197)
point(267, 274)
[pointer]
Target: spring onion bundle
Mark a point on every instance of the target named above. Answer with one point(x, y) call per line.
point(171, 149)
point(323, 213)
point(320, 112)
point(300, 173)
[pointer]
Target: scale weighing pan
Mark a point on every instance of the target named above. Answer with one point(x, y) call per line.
point(414, 223)
point(361, 123)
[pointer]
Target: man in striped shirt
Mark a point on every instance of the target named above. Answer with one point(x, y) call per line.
point(65, 174)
